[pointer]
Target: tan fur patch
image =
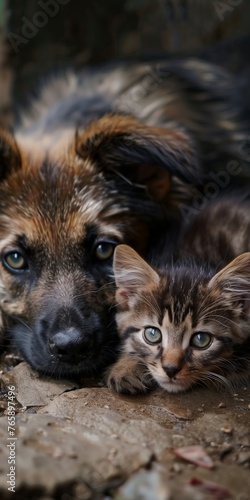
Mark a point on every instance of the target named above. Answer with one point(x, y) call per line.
point(172, 357)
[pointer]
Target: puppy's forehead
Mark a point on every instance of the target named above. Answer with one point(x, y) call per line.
point(62, 202)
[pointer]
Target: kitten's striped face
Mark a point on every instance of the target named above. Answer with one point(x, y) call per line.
point(184, 326)
point(178, 353)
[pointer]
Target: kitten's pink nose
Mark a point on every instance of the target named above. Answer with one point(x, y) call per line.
point(171, 370)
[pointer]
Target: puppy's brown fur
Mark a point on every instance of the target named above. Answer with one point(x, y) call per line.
point(60, 219)
point(82, 175)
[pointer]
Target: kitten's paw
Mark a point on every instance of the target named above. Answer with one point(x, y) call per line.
point(129, 378)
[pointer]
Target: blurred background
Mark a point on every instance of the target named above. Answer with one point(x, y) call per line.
point(39, 36)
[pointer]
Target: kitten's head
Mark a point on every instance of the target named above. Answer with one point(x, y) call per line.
point(187, 324)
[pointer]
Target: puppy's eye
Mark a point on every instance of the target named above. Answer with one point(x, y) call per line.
point(201, 340)
point(104, 250)
point(14, 261)
point(152, 335)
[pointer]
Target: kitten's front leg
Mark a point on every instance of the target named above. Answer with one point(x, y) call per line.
point(129, 376)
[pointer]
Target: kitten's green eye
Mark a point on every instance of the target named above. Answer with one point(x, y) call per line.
point(104, 250)
point(152, 335)
point(201, 340)
point(14, 261)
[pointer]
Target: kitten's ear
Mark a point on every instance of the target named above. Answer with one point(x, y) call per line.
point(143, 155)
point(10, 157)
point(132, 275)
point(233, 281)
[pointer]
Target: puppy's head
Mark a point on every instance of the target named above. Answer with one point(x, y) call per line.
point(59, 224)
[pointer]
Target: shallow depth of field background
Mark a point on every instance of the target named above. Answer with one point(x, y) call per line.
point(75, 33)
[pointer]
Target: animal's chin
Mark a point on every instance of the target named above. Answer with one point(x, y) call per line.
point(90, 365)
point(35, 351)
point(173, 386)
point(59, 369)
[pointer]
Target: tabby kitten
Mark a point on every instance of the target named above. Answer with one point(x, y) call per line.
point(187, 322)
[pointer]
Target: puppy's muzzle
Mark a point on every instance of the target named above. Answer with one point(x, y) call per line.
point(70, 345)
point(72, 336)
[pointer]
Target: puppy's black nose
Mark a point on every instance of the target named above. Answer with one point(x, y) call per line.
point(69, 343)
point(171, 370)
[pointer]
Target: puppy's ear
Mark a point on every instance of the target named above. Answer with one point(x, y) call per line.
point(10, 157)
point(132, 275)
point(233, 282)
point(144, 155)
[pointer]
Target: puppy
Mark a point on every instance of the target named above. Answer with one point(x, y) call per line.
point(80, 175)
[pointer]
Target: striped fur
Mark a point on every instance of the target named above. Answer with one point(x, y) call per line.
point(105, 156)
point(204, 296)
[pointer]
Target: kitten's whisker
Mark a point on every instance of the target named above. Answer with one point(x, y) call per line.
point(106, 285)
point(16, 318)
point(213, 376)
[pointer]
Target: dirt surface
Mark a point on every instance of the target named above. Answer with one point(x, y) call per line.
point(90, 443)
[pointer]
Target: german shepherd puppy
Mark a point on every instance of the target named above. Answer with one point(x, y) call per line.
point(101, 158)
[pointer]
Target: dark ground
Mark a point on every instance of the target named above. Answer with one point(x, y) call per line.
point(89, 443)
